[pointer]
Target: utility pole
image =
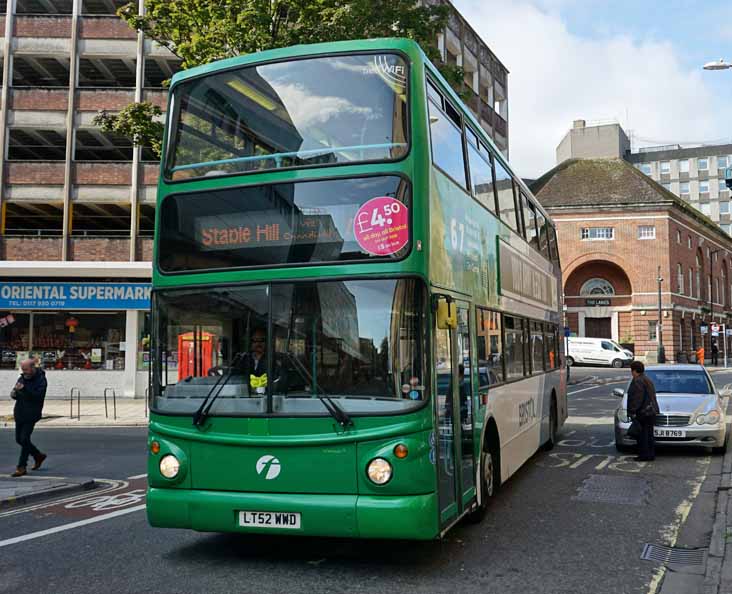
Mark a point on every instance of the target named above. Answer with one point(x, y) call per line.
point(661, 354)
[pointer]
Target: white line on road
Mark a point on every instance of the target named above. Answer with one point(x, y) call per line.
point(572, 420)
point(79, 524)
point(595, 387)
point(137, 476)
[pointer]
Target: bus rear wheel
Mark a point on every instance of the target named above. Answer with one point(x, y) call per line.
point(489, 477)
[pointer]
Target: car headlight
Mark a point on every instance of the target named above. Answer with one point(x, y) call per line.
point(169, 466)
point(711, 418)
point(379, 471)
point(623, 415)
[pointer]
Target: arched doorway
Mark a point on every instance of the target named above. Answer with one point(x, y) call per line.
point(598, 296)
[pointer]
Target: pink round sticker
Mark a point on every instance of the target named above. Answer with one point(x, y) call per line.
point(381, 226)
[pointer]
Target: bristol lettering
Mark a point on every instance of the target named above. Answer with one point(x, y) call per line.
point(527, 412)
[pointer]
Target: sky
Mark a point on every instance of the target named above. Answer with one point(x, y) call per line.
point(637, 62)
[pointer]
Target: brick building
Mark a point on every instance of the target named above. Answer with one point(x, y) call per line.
point(77, 205)
point(615, 227)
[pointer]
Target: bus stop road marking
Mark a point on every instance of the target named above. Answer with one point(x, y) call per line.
point(597, 387)
point(71, 526)
point(137, 476)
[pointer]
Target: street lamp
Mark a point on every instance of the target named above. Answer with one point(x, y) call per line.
point(720, 65)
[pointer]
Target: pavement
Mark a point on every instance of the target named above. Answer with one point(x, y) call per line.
point(30, 489)
point(94, 413)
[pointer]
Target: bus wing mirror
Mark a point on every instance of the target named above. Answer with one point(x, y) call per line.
point(446, 314)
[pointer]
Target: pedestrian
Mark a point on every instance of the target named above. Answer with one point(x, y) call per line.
point(715, 353)
point(643, 406)
point(700, 355)
point(29, 393)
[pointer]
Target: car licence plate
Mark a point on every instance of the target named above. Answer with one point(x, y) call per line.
point(668, 432)
point(289, 520)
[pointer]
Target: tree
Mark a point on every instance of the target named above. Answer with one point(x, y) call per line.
point(201, 31)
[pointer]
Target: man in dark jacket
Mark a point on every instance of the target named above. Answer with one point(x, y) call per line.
point(29, 393)
point(642, 393)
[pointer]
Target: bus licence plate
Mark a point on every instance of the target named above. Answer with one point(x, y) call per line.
point(669, 432)
point(290, 520)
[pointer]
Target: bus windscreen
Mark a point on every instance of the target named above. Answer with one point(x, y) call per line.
point(283, 224)
point(299, 113)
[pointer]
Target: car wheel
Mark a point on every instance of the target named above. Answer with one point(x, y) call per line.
point(617, 363)
point(489, 476)
point(552, 441)
point(569, 361)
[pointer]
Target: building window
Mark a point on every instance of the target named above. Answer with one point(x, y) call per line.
point(723, 185)
point(14, 334)
point(726, 227)
point(702, 164)
point(598, 233)
point(647, 232)
point(665, 167)
point(716, 290)
point(684, 166)
point(96, 341)
point(724, 208)
point(652, 327)
point(705, 208)
point(691, 282)
point(684, 189)
point(645, 168)
point(688, 241)
point(704, 186)
point(680, 278)
point(721, 162)
point(597, 286)
point(678, 236)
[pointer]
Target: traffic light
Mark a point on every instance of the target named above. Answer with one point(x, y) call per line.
point(728, 177)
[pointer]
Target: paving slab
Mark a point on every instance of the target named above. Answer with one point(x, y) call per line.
point(26, 489)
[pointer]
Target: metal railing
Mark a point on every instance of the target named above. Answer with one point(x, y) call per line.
point(76, 391)
point(114, 402)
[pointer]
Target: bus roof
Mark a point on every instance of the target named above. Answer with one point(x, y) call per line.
point(331, 47)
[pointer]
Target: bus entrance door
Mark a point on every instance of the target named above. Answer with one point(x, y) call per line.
point(456, 476)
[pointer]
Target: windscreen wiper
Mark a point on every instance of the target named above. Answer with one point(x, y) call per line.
point(202, 413)
point(333, 409)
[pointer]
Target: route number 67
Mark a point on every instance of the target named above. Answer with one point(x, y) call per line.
point(457, 234)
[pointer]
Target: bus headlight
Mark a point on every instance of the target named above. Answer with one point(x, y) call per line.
point(379, 471)
point(169, 466)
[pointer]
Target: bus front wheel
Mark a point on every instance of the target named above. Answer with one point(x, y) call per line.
point(490, 479)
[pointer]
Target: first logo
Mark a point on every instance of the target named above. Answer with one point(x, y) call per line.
point(269, 466)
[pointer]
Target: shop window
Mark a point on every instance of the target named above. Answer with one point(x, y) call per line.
point(14, 329)
point(143, 341)
point(66, 340)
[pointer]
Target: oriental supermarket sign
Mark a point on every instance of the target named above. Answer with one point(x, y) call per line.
point(75, 296)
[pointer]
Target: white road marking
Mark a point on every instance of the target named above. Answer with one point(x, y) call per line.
point(137, 476)
point(79, 524)
point(595, 387)
point(590, 420)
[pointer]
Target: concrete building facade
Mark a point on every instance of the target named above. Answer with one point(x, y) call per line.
point(77, 205)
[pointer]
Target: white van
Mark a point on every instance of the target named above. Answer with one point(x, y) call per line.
point(597, 351)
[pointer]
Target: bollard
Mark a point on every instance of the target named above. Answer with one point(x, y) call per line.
point(76, 391)
point(106, 409)
point(114, 403)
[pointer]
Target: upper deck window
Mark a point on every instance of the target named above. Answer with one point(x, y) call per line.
point(309, 112)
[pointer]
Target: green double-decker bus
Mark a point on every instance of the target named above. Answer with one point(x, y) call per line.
point(356, 302)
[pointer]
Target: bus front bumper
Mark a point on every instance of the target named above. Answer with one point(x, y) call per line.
point(350, 516)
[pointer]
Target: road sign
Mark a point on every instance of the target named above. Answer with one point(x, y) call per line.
point(567, 332)
point(715, 327)
point(703, 329)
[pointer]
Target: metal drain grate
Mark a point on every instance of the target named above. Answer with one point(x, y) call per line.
point(673, 555)
point(624, 490)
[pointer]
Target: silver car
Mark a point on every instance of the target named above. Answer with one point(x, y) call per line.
point(692, 409)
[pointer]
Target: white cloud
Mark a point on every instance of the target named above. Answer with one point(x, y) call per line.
point(557, 77)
